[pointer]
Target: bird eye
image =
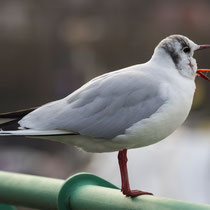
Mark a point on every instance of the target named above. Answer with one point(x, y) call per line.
point(186, 49)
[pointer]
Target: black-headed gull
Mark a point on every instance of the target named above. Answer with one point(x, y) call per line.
point(129, 108)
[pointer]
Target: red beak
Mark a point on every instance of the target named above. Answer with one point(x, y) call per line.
point(202, 47)
point(199, 72)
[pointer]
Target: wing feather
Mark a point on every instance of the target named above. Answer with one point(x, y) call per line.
point(104, 107)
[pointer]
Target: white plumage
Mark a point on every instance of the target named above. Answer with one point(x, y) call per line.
point(129, 108)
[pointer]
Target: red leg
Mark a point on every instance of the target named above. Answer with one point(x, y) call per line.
point(122, 158)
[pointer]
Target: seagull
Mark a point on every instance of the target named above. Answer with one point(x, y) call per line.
point(125, 109)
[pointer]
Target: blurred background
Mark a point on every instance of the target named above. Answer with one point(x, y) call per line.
point(50, 48)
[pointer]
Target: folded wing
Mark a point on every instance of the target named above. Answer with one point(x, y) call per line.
point(104, 107)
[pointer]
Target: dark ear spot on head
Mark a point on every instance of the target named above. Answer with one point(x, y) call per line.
point(170, 45)
point(171, 51)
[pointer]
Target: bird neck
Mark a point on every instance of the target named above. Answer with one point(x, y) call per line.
point(160, 57)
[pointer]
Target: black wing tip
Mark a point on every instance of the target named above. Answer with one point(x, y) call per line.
point(14, 117)
point(64, 134)
point(17, 114)
point(7, 133)
point(9, 123)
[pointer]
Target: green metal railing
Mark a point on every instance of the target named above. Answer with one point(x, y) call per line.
point(6, 207)
point(82, 191)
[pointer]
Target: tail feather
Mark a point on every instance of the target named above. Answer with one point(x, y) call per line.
point(7, 122)
point(10, 118)
point(17, 114)
point(31, 132)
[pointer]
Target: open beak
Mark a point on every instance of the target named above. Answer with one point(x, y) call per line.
point(204, 46)
point(199, 72)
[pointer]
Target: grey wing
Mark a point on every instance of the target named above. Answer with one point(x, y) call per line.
point(103, 108)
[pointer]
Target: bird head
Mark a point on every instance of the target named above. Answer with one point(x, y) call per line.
point(179, 51)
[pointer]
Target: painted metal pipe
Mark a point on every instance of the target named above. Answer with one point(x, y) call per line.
point(96, 198)
point(89, 192)
point(82, 191)
point(29, 191)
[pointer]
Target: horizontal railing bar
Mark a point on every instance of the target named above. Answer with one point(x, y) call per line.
point(29, 191)
point(81, 191)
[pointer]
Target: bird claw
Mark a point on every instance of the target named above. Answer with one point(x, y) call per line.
point(134, 193)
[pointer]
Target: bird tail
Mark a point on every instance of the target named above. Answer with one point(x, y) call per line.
point(9, 126)
point(37, 133)
point(11, 118)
